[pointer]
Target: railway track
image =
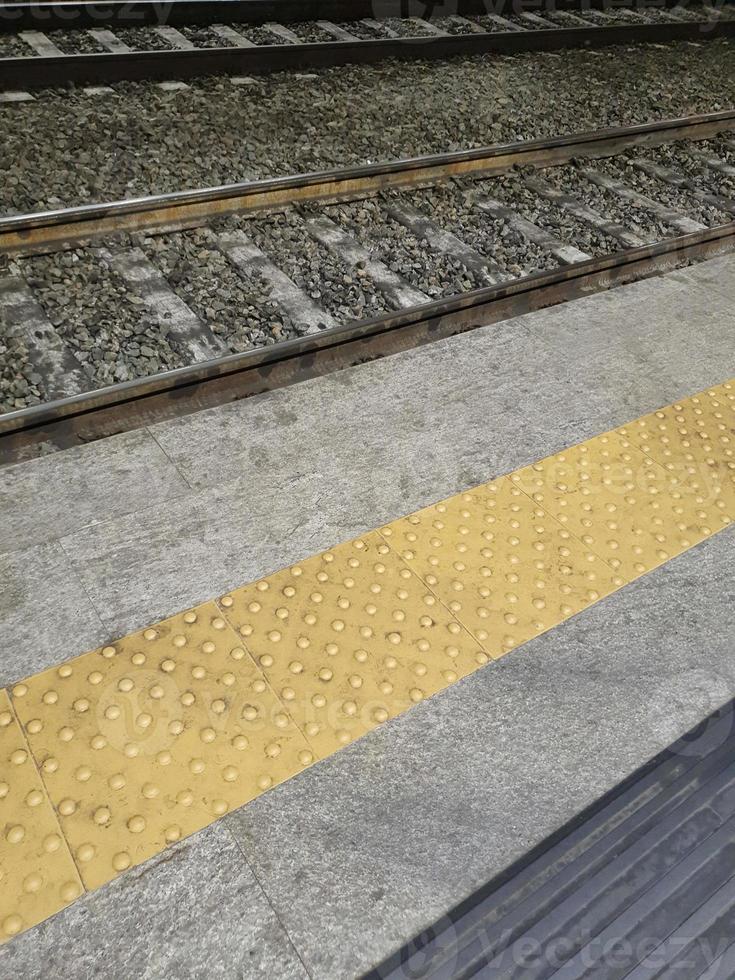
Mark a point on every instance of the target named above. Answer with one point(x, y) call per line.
point(36, 51)
point(122, 314)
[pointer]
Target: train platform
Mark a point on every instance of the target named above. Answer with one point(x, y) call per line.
point(547, 629)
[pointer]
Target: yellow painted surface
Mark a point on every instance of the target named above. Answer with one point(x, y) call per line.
point(132, 747)
point(38, 875)
point(501, 563)
point(150, 739)
point(621, 504)
point(349, 639)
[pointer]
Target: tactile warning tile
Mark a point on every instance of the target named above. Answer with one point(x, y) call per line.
point(695, 441)
point(621, 504)
point(37, 874)
point(145, 741)
point(350, 638)
point(506, 568)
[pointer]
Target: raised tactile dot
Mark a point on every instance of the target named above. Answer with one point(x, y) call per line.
point(136, 824)
point(157, 739)
point(15, 834)
point(33, 863)
point(12, 925)
point(334, 632)
point(33, 883)
point(456, 559)
point(69, 891)
point(121, 861)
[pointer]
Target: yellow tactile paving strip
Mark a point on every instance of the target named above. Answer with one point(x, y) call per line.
point(112, 756)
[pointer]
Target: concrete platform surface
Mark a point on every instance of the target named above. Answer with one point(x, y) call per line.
point(328, 873)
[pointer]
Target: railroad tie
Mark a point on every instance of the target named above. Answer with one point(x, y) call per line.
point(445, 243)
point(175, 38)
point(15, 96)
point(576, 19)
point(394, 288)
point(537, 21)
point(507, 25)
point(336, 31)
point(566, 254)
point(109, 41)
point(713, 162)
point(380, 29)
point(233, 37)
point(61, 373)
point(249, 259)
point(669, 176)
point(284, 33)
point(584, 213)
point(430, 28)
point(464, 22)
point(191, 335)
point(42, 45)
point(666, 214)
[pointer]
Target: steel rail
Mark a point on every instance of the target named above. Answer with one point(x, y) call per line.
point(52, 230)
point(41, 72)
point(70, 14)
point(94, 415)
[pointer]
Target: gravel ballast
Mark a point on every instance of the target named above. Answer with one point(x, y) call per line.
point(97, 317)
point(141, 140)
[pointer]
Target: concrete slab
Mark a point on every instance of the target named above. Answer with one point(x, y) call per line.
point(483, 403)
point(45, 614)
point(145, 566)
point(284, 475)
point(42, 499)
point(196, 911)
point(367, 848)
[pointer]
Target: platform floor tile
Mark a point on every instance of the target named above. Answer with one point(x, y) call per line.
point(622, 505)
point(145, 741)
point(504, 566)
point(148, 739)
point(694, 439)
point(349, 639)
point(37, 873)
